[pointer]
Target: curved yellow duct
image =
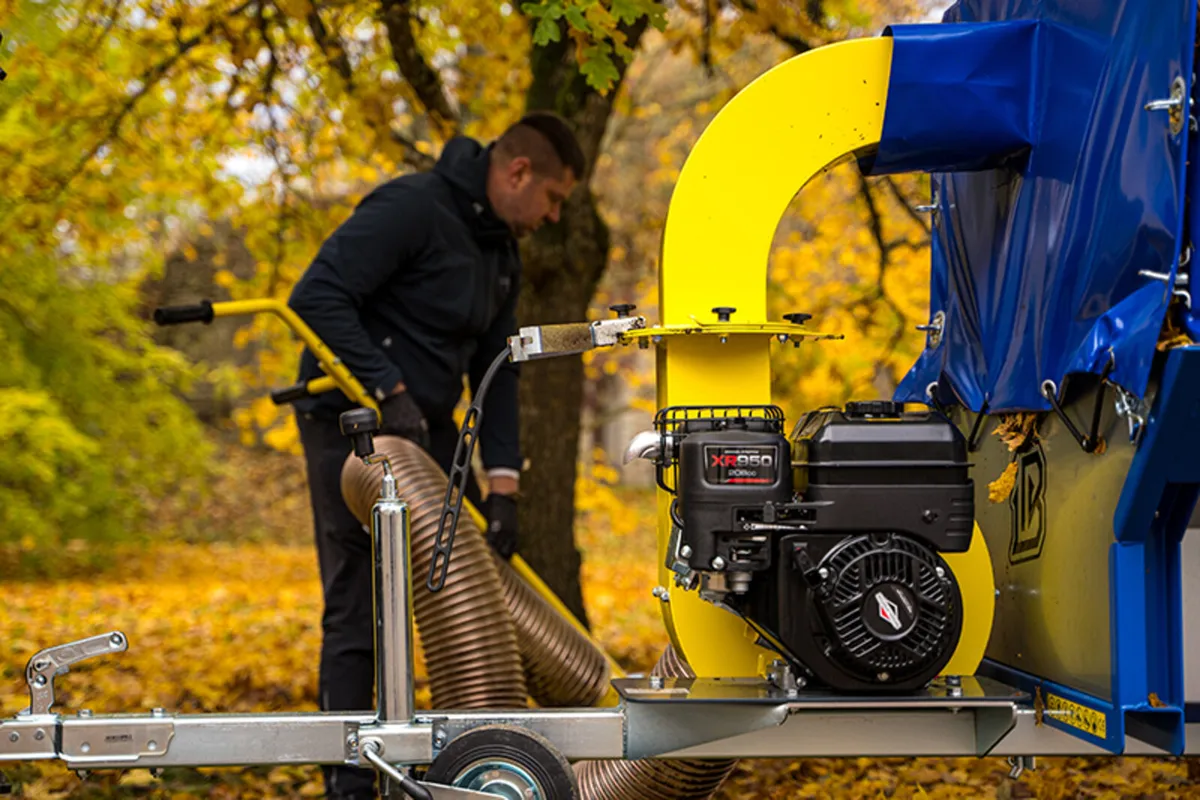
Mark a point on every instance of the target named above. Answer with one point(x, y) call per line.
point(792, 123)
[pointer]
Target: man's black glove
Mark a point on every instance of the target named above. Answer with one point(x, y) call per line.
point(402, 417)
point(502, 524)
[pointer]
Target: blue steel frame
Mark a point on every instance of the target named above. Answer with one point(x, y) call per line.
point(1146, 598)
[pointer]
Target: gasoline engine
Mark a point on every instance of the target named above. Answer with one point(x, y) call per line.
point(828, 542)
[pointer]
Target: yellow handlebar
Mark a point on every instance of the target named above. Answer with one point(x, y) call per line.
point(336, 373)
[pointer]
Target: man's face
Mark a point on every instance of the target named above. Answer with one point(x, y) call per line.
point(529, 200)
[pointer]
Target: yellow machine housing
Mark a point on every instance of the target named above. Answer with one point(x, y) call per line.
point(792, 123)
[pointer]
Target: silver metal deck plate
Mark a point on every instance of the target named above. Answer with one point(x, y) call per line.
point(975, 692)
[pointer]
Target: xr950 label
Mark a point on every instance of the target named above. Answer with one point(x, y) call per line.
point(725, 465)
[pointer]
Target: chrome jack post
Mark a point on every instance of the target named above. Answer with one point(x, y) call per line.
point(392, 590)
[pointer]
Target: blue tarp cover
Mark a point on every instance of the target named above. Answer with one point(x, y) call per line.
point(1054, 187)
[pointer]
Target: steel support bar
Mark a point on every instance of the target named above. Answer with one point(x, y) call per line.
point(208, 740)
point(1031, 738)
point(851, 734)
point(576, 733)
point(651, 730)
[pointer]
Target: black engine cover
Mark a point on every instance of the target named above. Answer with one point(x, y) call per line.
point(874, 467)
point(886, 615)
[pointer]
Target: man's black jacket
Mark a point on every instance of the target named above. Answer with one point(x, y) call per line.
point(420, 285)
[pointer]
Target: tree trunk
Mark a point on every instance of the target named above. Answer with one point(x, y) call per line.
point(562, 266)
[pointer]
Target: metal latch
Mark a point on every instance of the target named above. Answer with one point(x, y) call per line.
point(935, 329)
point(45, 665)
point(1172, 105)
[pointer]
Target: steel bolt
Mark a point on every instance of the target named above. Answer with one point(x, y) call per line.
point(14, 737)
point(39, 734)
point(158, 712)
point(85, 712)
point(823, 572)
point(439, 738)
point(883, 676)
point(685, 551)
point(954, 680)
point(659, 591)
point(718, 563)
point(941, 573)
point(656, 682)
point(40, 680)
point(116, 639)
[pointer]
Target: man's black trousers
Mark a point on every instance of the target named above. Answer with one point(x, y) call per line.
point(346, 675)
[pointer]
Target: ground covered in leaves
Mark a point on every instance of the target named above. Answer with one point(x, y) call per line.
point(220, 626)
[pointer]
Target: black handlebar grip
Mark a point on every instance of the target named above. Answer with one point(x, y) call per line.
point(177, 315)
point(281, 397)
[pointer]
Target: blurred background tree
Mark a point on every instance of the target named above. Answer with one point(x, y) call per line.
point(160, 152)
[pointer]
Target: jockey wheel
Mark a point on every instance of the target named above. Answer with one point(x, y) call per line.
point(506, 761)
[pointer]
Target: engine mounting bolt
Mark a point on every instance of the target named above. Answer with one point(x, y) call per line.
point(941, 573)
point(685, 551)
point(824, 573)
point(954, 680)
point(718, 563)
point(656, 682)
point(439, 738)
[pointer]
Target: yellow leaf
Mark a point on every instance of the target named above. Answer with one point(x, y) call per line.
point(1001, 488)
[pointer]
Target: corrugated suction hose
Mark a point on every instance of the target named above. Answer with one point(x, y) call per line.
point(561, 666)
point(655, 779)
point(466, 631)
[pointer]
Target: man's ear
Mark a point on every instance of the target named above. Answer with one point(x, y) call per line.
point(519, 171)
